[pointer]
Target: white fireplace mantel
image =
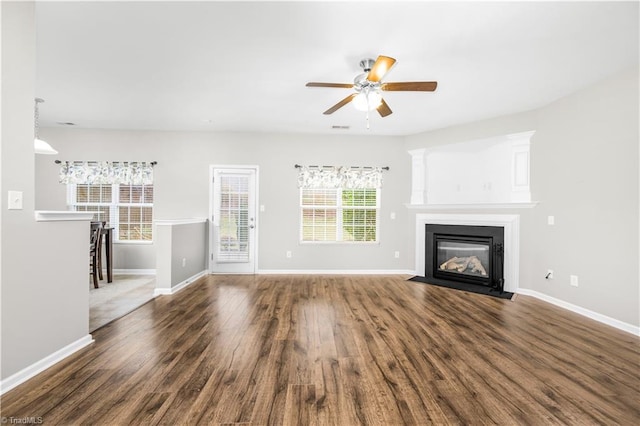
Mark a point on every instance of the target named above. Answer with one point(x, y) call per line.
point(510, 223)
point(476, 206)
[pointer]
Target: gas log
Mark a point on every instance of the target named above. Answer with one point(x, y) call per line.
point(461, 264)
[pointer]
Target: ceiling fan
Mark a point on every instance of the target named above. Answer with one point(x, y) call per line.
point(368, 86)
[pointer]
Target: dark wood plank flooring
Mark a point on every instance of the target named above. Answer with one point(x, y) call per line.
point(340, 350)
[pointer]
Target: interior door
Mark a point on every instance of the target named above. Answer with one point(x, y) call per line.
point(233, 237)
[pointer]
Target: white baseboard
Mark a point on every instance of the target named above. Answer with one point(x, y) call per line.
point(179, 286)
point(46, 362)
point(334, 272)
point(134, 271)
point(620, 325)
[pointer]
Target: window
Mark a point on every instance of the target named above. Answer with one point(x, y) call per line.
point(128, 208)
point(339, 214)
point(339, 203)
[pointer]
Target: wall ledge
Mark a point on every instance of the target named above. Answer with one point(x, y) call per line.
point(61, 216)
point(478, 206)
point(169, 222)
point(134, 272)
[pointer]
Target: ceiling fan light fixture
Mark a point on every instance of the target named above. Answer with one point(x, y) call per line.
point(367, 100)
point(368, 87)
point(41, 147)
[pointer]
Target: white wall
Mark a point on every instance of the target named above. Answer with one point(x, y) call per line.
point(181, 185)
point(584, 172)
point(44, 277)
point(182, 252)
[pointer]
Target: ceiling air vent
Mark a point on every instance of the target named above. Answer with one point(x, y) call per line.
point(340, 127)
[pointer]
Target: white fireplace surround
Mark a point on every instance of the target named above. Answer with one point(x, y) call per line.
point(510, 223)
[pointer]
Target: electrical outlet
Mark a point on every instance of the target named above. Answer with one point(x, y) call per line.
point(288, 254)
point(392, 215)
point(573, 280)
point(549, 274)
point(397, 255)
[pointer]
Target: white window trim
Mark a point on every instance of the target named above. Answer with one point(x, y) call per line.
point(113, 210)
point(339, 208)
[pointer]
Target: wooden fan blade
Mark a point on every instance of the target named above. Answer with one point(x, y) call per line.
point(338, 85)
point(340, 104)
point(410, 86)
point(380, 68)
point(384, 109)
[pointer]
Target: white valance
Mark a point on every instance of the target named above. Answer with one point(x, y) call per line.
point(339, 177)
point(106, 172)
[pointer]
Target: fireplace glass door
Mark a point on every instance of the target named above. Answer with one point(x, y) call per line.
point(465, 254)
point(468, 258)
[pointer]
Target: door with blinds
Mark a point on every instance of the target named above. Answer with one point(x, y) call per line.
point(233, 236)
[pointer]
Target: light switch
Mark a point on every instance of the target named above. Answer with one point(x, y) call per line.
point(15, 200)
point(551, 220)
point(393, 215)
point(261, 207)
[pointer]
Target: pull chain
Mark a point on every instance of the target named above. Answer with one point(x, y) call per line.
point(37, 117)
point(367, 97)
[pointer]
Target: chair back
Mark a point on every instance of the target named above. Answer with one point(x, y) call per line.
point(96, 237)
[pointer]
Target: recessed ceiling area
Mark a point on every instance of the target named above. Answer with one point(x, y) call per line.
point(243, 66)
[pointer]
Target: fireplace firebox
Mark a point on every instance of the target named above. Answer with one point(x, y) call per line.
point(465, 254)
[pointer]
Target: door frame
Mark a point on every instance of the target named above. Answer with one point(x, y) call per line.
point(256, 169)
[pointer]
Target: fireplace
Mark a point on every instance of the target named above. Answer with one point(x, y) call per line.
point(465, 254)
point(509, 222)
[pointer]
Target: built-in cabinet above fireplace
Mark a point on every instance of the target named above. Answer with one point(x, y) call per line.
point(487, 172)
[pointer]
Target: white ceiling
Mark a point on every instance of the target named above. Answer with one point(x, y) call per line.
point(242, 66)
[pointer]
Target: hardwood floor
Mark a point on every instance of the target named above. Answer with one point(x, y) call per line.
point(340, 350)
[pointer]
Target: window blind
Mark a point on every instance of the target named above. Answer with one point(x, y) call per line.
point(233, 218)
point(339, 204)
point(126, 207)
